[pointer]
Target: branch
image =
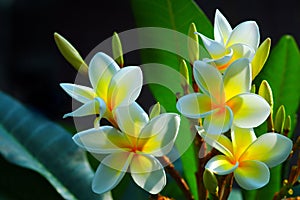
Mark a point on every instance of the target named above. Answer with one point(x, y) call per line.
point(170, 169)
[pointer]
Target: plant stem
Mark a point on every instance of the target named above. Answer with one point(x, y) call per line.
point(158, 197)
point(202, 192)
point(227, 186)
point(178, 179)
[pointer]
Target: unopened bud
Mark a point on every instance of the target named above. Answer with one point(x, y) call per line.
point(210, 181)
point(260, 57)
point(155, 111)
point(117, 49)
point(193, 43)
point(70, 53)
point(280, 119)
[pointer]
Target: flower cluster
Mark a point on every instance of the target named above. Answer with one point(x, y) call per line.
point(225, 104)
point(134, 141)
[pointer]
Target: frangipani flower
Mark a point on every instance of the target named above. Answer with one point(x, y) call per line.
point(248, 157)
point(225, 99)
point(133, 147)
point(231, 44)
point(112, 87)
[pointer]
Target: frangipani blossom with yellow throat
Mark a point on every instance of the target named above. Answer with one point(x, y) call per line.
point(231, 44)
point(225, 100)
point(133, 147)
point(112, 87)
point(247, 156)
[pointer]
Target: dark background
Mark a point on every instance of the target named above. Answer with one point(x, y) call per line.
point(31, 67)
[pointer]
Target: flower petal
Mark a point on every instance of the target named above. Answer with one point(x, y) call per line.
point(214, 48)
point(131, 119)
point(221, 165)
point(241, 138)
point(101, 70)
point(219, 142)
point(222, 28)
point(270, 148)
point(249, 110)
point(252, 174)
point(245, 33)
point(158, 136)
point(242, 51)
point(107, 177)
point(210, 81)
point(195, 105)
point(237, 78)
point(92, 107)
point(125, 87)
point(105, 139)
point(80, 93)
point(219, 121)
point(148, 173)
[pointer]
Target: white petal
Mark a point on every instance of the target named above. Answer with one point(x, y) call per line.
point(106, 177)
point(249, 110)
point(158, 136)
point(270, 148)
point(101, 70)
point(222, 28)
point(131, 119)
point(148, 173)
point(92, 107)
point(80, 93)
point(252, 174)
point(214, 48)
point(245, 33)
point(219, 142)
point(242, 51)
point(237, 78)
point(125, 87)
point(221, 165)
point(105, 139)
point(195, 105)
point(210, 81)
point(219, 121)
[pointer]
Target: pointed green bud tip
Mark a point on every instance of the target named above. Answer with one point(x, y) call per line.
point(253, 88)
point(117, 49)
point(210, 181)
point(265, 91)
point(184, 71)
point(280, 119)
point(70, 53)
point(193, 43)
point(287, 124)
point(155, 110)
point(260, 57)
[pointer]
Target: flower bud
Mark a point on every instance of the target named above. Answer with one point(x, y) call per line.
point(70, 53)
point(210, 182)
point(265, 91)
point(260, 57)
point(155, 111)
point(117, 49)
point(280, 119)
point(193, 43)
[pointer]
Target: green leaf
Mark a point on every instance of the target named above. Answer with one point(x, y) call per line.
point(176, 15)
point(31, 141)
point(282, 71)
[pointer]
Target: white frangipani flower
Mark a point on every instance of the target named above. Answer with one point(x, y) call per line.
point(248, 157)
point(225, 100)
point(231, 44)
point(133, 147)
point(111, 87)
